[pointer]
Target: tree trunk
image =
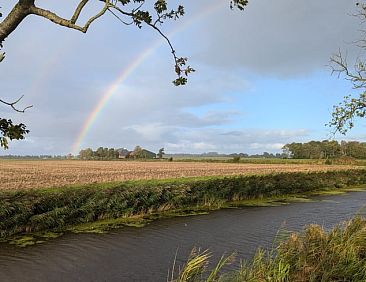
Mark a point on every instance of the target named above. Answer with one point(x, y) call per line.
point(20, 11)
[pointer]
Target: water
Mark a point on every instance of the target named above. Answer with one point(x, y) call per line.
point(146, 254)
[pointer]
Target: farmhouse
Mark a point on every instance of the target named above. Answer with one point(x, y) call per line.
point(140, 154)
point(123, 152)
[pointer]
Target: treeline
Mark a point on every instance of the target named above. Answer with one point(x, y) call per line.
point(100, 154)
point(264, 155)
point(122, 153)
point(325, 150)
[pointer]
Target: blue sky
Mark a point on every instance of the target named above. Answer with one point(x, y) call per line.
point(262, 79)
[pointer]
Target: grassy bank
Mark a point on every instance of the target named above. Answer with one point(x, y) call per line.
point(117, 204)
point(311, 255)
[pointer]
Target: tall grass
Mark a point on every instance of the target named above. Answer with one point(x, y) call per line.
point(56, 209)
point(311, 255)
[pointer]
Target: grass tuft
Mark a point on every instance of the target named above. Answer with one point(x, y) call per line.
point(311, 255)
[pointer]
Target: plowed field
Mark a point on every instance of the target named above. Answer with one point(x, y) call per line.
point(15, 174)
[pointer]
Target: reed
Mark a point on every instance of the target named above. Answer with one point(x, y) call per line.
point(311, 255)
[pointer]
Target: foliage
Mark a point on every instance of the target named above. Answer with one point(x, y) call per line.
point(240, 4)
point(10, 131)
point(311, 255)
point(112, 154)
point(351, 107)
point(100, 154)
point(161, 153)
point(345, 112)
point(56, 209)
point(138, 152)
point(326, 150)
point(236, 159)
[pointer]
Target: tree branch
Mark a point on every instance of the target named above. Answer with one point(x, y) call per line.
point(139, 17)
point(78, 11)
point(13, 105)
point(340, 66)
point(119, 18)
point(70, 23)
point(20, 11)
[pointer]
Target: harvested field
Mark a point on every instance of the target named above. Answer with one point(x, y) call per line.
point(17, 174)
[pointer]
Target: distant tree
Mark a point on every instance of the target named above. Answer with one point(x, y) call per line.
point(112, 154)
point(267, 155)
point(129, 155)
point(354, 149)
point(325, 150)
point(236, 159)
point(331, 149)
point(105, 154)
point(100, 154)
point(138, 152)
point(86, 154)
point(243, 155)
point(161, 153)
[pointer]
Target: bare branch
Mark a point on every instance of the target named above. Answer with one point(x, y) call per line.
point(119, 18)
point(140, 17)
point(78, 11)
point(69, 23)
point(13, 105)
point(340, 66)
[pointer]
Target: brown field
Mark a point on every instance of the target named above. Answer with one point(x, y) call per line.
point(15, 174)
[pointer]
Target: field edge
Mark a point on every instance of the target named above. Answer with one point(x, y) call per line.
point(99, 207)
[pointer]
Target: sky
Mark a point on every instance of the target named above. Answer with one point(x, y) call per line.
point(262, 78)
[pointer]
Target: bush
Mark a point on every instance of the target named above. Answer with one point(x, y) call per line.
point(236, 159)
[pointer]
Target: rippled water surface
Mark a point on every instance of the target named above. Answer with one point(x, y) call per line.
point(146, 254)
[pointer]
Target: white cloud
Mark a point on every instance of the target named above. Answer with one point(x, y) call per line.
point(270, 146)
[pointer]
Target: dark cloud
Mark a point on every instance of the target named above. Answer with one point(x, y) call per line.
point(281, 38)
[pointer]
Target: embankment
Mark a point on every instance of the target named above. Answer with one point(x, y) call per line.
point(58, 209)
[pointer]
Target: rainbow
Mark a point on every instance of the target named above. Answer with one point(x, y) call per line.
point(112, 89)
